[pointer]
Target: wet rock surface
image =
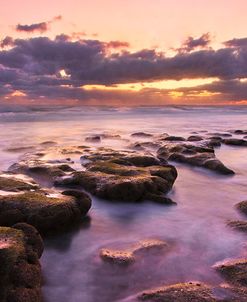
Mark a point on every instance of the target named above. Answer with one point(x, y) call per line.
point(200, 155)
point(141, 134)
point(238, 225)
point(235, 142)
point(46, 211)
point(234, 271)
point(182, 292)
point(12, 183)
point(124, 177)
point(242, 206)
point(20, 271)
point(194, 292)
point(131, 254)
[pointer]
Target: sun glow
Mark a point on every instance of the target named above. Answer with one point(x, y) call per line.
point(170, 84)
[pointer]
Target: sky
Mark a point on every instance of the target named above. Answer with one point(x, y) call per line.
point(123, 52)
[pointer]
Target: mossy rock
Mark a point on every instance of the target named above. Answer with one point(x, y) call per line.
point(181, 292)
point(132, 253)
point(125, 183)
point(238, 225)
point(13, 184)
point(46, 212)
point(234, 271)
point(198, 155)
point(242, 206)
point(20, 272)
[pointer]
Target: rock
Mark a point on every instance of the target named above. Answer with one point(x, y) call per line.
point(181, 292)
point(20, 272)
point(141, 160)
point(117, 257)
point(32, 237)
point(143, 145)
point(214, 143)
point(242, 206)
point(38, 168)
point(174, 138)
point(235, 142)
point(238, 225)
point(110, 136)
point(122, 181)
point(220, 134)
point(194, 155)
point(48, 143)
point(141, 134)
point(217, 166)
point(194, 138)
point(130, 255)
point(234, 271)
point(20, 149)
point(240, 132)
point(93, 138)
point(46, 212)
point(13, 184)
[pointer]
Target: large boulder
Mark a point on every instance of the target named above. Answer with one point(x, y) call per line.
point(20, 271)
point(47, 211)
point(125, 178)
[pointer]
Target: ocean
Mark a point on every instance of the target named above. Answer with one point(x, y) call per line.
point(196, 227)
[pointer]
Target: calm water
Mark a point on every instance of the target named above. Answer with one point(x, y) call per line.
point(195, 228)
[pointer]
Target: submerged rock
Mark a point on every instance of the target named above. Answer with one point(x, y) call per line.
point(238, 225)
point(181, 292)
point(145, 145)
point(93, 138)
point(240, 132)
point(242, 206)
point(117, 257)
point(46, 211)
point(128, 256)
point(20, 271)
point(234, 271)
point(174, 138)
point(235, 142)
point(194, 138)
point(141, 134)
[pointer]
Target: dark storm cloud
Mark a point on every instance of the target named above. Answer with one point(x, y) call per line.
point(39, 27)
point(34, 66)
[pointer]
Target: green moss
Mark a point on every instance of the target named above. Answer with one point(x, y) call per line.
point(12, 245)
point(14, 185)
point(108, 167)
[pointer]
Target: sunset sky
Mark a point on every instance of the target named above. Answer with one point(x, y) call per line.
point(123, 52)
